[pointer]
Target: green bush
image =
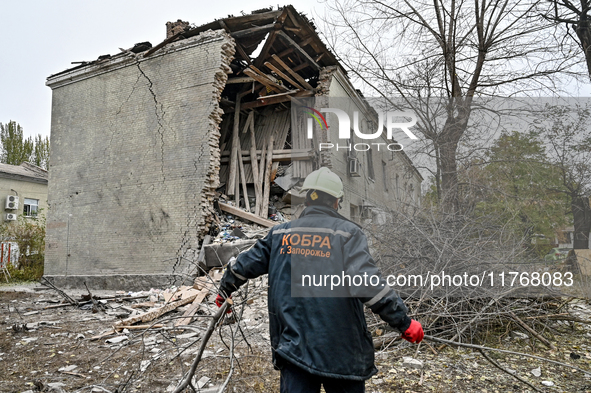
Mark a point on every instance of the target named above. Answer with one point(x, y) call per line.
point(29, 234)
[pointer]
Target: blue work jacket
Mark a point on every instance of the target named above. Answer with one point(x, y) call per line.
point(320, 328)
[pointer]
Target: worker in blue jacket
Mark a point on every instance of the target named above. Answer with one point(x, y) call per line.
point(321, 274)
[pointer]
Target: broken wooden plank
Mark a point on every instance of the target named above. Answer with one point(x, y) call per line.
point(266, 47)
point(151, 315)
point(243, 179)
point(259, 152)
point(252, 30)
point(297, 76)
point(282, 75)
point(247, 122)
point(270, 77)
point(261, 179)
point(276, 158)
point(298, 49)
point(248, 216)
point(265, 80)
point(254, 165)
point(287, 93)
point(239, 79)
point(194, 306)
point(267, 179)
point(163, 43)
point(230, 187)
point(276, 99)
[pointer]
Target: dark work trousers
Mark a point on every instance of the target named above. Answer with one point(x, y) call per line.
point(297, 380)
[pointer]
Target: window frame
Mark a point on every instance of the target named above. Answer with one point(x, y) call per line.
point(31, 213)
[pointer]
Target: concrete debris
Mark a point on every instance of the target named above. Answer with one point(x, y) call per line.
point(117, 339)
point(144, 365)
point(409, 362)
point(187, 335)
point(68, 368)
point(35, 325)
point(203, 381)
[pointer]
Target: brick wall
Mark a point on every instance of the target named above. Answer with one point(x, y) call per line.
point(135, 159)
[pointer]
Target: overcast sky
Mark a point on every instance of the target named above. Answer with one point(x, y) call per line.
point(39, 38)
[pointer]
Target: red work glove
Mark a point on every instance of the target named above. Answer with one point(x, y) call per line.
point(414, 333)
point(219, 300)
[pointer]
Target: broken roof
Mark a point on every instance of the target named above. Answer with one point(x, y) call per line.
point(289, 34)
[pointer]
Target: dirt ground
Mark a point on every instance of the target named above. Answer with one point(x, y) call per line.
point(53, 350)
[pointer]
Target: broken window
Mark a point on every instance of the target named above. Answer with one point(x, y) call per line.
point(31, 207)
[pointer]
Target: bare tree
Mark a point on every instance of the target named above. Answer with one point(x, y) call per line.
point(439, 56)
point(576, 17)
point(565, 129)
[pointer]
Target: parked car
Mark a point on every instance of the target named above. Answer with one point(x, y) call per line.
point(557, 254)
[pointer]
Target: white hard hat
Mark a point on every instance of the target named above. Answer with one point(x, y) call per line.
point(324, 180)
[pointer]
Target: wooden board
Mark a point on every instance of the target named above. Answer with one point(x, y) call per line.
point(248, 216)
point(151, 315)
point(266, 122)
point(194, 306)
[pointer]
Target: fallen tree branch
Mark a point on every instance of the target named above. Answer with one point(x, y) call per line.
point(479, 347)
point(466, 326)
point(48, 283)
point(524, 325)
point(225, 384)
point(514, 375)
point(214, 321)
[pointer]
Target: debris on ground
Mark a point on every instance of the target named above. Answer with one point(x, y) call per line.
point(61, 347)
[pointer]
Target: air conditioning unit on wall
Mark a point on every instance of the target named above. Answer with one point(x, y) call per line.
point(11, 202)
point(354, 167)
point(10, 217)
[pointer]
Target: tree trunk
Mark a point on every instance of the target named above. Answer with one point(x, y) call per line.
point(583, 31)
point(449, 176)
point(582, 222)
point(454, 128)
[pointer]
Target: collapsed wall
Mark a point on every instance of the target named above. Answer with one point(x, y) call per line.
point(135, 161)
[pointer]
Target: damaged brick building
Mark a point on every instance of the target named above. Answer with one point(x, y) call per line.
point(144, 141)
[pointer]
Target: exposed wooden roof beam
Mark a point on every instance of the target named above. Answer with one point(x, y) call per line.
point(298, 49)
point(282, 75)
point(275, 99)
point(265, 80)
point(265, 51)
point(297, 76)
point(252, 30)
